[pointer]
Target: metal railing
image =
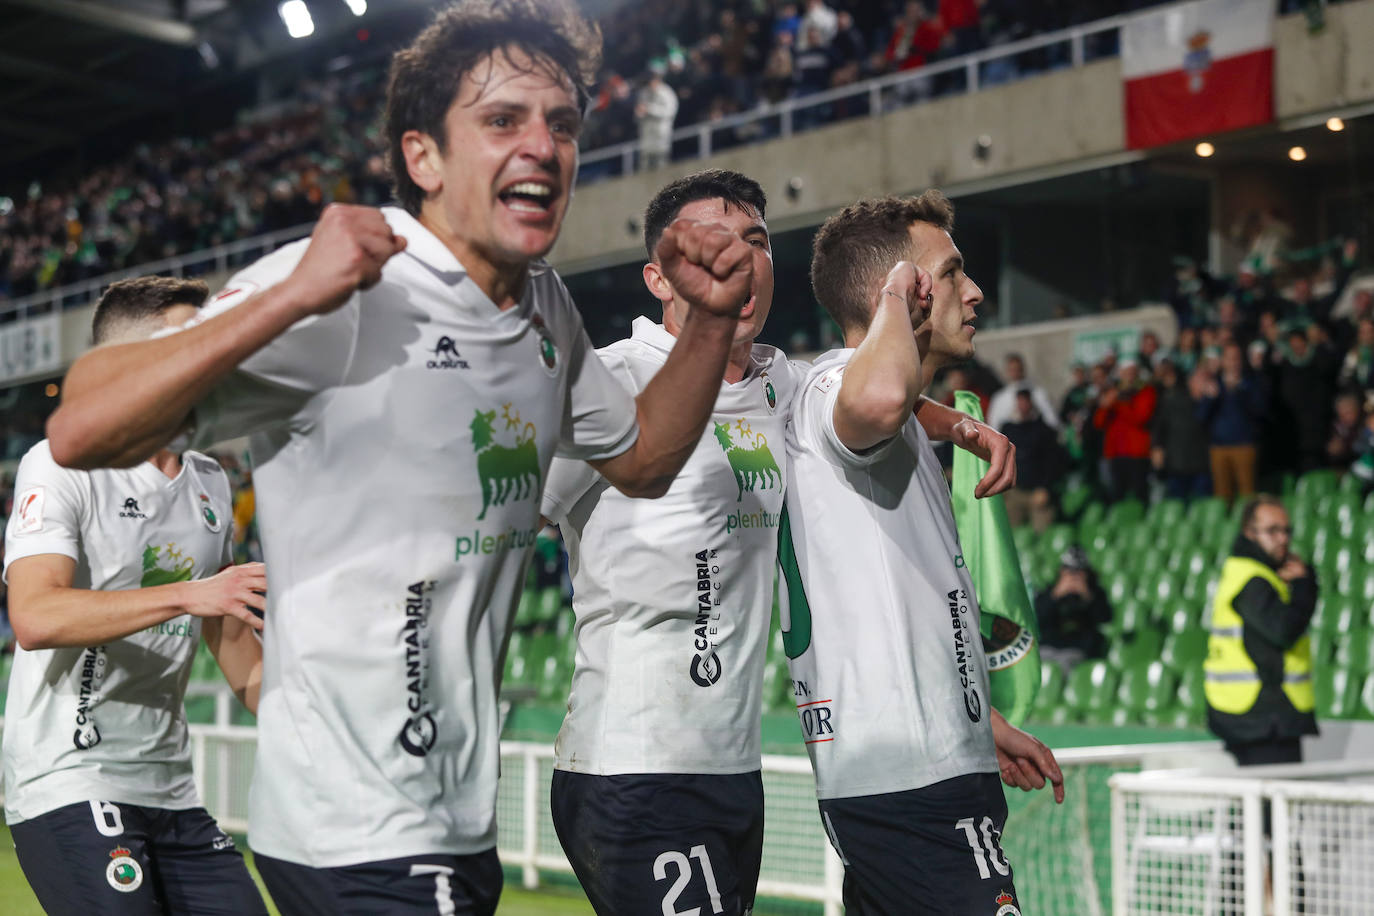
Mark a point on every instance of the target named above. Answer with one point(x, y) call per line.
point(219, 259)
point(871, 98)
point(874, 97)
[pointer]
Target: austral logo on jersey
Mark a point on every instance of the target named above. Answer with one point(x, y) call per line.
point(446, 355)
point(548, 350)
point(770, 393)
point(94, 665)
point(958, 615)
point(507, 472)
point(130, 509)
point(753, 463)
point(419, 732)
point(706, 668)
point(207, 514)
point(124, 874)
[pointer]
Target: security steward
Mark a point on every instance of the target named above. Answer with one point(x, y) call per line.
point(1258, 672)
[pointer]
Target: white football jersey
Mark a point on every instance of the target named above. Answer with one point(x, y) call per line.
point(107, 722)
point(673, 595)
point(400, 445)
point(879, 617)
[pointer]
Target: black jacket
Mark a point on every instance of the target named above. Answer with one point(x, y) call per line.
point(1269, 628)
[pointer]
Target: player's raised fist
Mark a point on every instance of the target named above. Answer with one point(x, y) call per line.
point(912, 285)
point(346, 253)
point(708, 265)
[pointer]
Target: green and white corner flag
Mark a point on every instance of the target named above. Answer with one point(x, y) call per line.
point(1011, 637)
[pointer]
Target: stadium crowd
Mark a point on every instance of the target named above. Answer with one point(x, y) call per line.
point(278, 166)
point(1272, 373)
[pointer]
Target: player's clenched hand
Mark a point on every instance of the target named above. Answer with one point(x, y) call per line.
point(912, 285)
point(993, 447)
point(1024, 760)
point(346, 253)
point(708, 265)
point(230, 593)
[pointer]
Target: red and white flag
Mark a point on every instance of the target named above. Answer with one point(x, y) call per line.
point(1196, 69)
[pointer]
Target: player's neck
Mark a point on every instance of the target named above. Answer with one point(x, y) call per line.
point(737, 366)
point(503, 284)
point(168, 462)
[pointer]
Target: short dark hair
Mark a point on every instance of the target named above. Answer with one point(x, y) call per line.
point(1252, 506)
point(732, 187)
point(855, 248)
point(140, 298)
point(427, 75)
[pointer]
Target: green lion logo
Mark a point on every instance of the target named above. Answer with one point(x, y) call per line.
point(165, 565)
point(506, 472)
point(753, 465)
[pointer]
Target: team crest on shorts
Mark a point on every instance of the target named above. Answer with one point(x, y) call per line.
point(207, 513)
point(124, 874)
point(1006, 905)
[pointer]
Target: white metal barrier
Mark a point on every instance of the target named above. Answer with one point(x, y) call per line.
point(1270, 840)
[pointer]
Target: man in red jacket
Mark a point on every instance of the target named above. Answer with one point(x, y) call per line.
point(1123, 414)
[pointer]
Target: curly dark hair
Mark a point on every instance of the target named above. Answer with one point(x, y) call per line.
point(855, 248)
point(427, 75)
point(736, 189)
point(136, 300)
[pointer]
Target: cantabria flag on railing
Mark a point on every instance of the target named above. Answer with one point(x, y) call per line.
point(1011, 637)
point(1197, 69)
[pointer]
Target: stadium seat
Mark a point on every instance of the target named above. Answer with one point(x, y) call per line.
point(1166, 515)
point(1124, 515)
point(1337, 614)
point(1118, 585)
point(1206, 514)
point(1190, 693)
point(1352, 651)
point(1337, 694)
point(1058, 538)
point(528, 609)
point(1161, 694)
point(1185, 650)
point(1366, 709)
point(1313, 485)
point(1051, 692)
point(550, 604)
point(1135, 648)
point(1089, 691)
point(1130, 695)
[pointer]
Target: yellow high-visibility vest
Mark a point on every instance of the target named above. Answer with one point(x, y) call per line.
point(1232, 682)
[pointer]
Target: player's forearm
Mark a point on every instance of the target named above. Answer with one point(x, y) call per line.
point(121, 403)
point(57, 618)
point(882, 380)
point(238, 653)
point(937, 419)
point(674, 407)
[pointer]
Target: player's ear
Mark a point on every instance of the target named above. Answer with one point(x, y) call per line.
point(657, 283)
point(424, 162)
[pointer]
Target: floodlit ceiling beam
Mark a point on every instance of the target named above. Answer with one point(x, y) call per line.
point(168, 31)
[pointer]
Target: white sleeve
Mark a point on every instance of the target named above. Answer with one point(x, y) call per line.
point(818, 402)
point(49, 505)
point(599, 419)
point(274, 383)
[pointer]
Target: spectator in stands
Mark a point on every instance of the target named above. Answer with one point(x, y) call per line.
point(1229, 407)
point(1149, 351)
point(811, 67)
point(1124, 414)
point(818, 26)
point(1178, 438)
point(960, 19)
point(1258, 673)
point(1039, 465)
point(1071, 612)
point(1346, 426)
point(1305, 390)
point(1002, 407)
point(654, 112)
point(1186, 353)
point(1357, 370)
point(848, 49)
point(778, 73)
point(916, 38)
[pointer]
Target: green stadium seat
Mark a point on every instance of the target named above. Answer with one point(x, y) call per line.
point(1130, 616)
point(1124, 515)
point(1190, 693)
point(1058, 538)
point(1119, 587)
point(1074, 499)
point(555, 678)
point(1135, 648)
point(1352, 651)
point(1366, 708)
point(1315, 484)
point(1161, 694)
point(1185, 650)
point(527, 611)
point(1051, 692)
point(1130, 695)
point(1089, 691)
point(1205, 514)
point(550, 604)
point(1337, 694)
point(1166, 515)
point(200, 709)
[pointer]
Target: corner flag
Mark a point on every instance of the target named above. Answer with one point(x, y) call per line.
point(1011, 638)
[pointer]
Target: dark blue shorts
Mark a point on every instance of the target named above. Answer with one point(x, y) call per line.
point(448, 885)
point(130, 860)
point(662, 843)
point(933, 851)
